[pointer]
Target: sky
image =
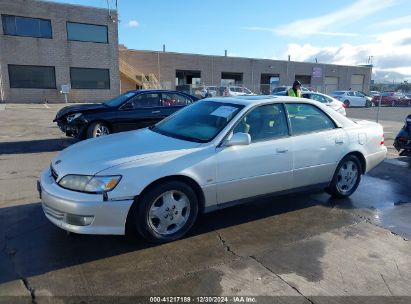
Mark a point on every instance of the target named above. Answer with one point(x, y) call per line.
point(339, 32)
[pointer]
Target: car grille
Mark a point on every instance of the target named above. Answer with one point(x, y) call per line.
point(53, 173)
point(58, 215)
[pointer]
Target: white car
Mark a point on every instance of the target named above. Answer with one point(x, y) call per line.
point(352, 98)
point(212, 154)
point(235, 91)
point(327, 100)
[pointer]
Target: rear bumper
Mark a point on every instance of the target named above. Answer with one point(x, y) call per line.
point(60, 206)
point(373, 160)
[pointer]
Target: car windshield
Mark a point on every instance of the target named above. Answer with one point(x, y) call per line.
point(116, 101)
point(199, 122)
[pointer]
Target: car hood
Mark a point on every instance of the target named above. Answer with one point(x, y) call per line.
point(94, 155)
point(79, 108)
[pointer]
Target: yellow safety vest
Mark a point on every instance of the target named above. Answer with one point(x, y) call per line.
point(291, 93)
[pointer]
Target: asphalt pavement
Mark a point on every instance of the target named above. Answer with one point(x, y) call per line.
point(301, 248)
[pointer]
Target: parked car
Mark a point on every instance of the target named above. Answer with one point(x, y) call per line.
point(352, 98)
point(212, 154)
point(392, 99)
point(402, 142)
point(327, 100)
point(282, 90)
point(129, 111)
point(206, 91)
point(234, 91)
point(374, 93)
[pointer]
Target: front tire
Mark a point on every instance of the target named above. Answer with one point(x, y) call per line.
point(97, 129)
point(346, 178)
point(167, 212)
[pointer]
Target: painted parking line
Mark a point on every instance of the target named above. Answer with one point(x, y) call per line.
point(45, 104)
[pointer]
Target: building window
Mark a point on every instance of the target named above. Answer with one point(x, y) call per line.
point(86, 78)
point(87, 32)
point(32, 77)
point(27, 27)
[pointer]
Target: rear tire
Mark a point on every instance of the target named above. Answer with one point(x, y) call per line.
point(346, 178)
point(166, 213)
point(97, 129)
point(347, 103)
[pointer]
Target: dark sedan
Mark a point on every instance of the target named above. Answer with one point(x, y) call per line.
point(129, 111)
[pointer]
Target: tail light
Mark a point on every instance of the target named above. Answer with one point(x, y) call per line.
point(382, 142)
point(225, 92)
point(344, 105)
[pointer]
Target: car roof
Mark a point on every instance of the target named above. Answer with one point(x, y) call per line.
point(157, 91)
point(258, 99)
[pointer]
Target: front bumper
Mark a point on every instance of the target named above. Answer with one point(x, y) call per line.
point(72, 129)
point(60, 206)
point(402, 144)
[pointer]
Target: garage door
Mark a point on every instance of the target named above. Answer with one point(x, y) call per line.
point(357, 82)
point(330, 84)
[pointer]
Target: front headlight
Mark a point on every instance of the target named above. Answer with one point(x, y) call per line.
point(71, 117)
point(90, 184)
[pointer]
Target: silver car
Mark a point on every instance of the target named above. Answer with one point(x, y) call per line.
point(212, 154)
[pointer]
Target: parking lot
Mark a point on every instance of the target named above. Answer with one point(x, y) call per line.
point(301, 248)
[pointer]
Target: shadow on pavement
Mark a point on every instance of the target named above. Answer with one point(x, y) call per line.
point(35, 146)
point(34, 246)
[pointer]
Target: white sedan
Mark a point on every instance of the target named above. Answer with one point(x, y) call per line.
point(212, 154)
point(353, 98)
point(327, 100)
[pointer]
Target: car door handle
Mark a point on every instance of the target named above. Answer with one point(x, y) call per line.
point(155, 112)
point(339, 141)
point(282, 150)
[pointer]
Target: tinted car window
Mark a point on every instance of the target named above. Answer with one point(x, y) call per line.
point(358, 94)
point(263, 123)
point(173, 99)
point(146, 101)
point(318, 98)
point(350, 93)
point(116, 101)
point(305, 118)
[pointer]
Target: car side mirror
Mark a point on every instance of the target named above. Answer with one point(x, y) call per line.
point(238, 139)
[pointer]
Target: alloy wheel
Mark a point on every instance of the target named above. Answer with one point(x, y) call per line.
point(169, 212)
point(102, 130)
point(347, 177)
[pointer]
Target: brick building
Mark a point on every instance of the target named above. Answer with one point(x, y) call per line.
point(176, 70)
point(44, 45)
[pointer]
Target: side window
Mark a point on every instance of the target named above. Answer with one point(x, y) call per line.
point(358, 94)
point(329, 99)
point(318, 98)
point(263, 123)
point(350, 93)
point(146, 101)
point(174, 99)
point(305, 118)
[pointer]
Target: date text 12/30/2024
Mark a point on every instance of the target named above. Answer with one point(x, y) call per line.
point(235, 299)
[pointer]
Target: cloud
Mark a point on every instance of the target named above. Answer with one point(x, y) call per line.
point(391, 53)
point(357, 11)
point(281, 32)
point(399, 21)
point(133, 23)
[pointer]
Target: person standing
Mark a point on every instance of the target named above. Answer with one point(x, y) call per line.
point(295, 91)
